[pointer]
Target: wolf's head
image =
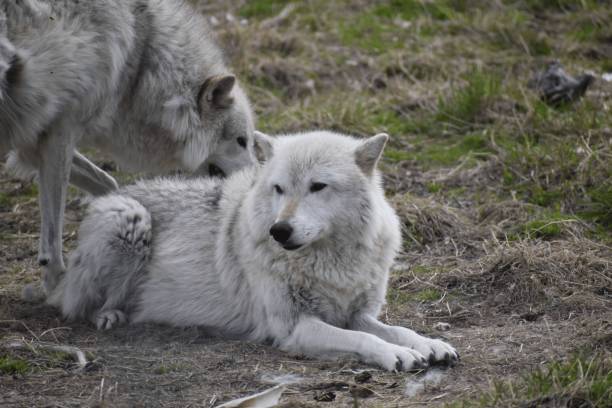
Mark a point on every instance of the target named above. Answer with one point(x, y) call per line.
point(315, 186)
point(225, 141)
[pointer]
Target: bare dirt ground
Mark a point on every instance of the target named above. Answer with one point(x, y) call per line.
point(506, 205)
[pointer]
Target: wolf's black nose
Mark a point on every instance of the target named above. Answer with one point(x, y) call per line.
point(281, 231)
point(215, 171)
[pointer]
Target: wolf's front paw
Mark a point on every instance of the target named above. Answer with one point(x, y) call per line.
point(398, 358)
point(107, 319)
point(437, 351)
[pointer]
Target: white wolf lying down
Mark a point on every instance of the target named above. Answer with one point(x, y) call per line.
point(295, 252)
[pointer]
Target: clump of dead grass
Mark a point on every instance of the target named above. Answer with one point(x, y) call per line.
point(426, 222)
point(571, 274)
point(505, 212)
point(511, 219)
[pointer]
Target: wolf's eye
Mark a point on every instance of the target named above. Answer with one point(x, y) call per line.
point(278, 189)
point(242, 142)
point(314, 187)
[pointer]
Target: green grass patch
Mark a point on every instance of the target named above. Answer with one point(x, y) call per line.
point(464, 107)
point(30, 191)
point(537, 43)
point(413, 9)
point(542, 197)
point(424, 270)
point(599, 207)
point(427, 295)
point(431, 153)
point(370, 33)
point(375, 30)
point(6, 201)
point(400, 297)
point(13, 366)
point(557, 5)
point(398, 125)
point(433, 187)
point(546, 226)
point(395, 155)
point(588, 31)
point(578, 382)
point(542, 228)
point(262, 8)
point(446, 154)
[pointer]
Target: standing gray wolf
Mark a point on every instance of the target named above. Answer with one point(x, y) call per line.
point(295, 252)
point(139, 79)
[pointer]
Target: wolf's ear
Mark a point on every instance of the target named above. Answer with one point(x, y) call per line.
point(369, 152)
point(215, 92)
point(263, 146)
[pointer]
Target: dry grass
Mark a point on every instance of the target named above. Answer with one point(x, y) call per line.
point(556, 277)
point(506, 207)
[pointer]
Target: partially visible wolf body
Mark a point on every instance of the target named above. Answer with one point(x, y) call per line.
point(140, 79)
point(296, 252)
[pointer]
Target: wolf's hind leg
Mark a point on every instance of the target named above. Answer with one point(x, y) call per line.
point(107, 266)
point(89, 177)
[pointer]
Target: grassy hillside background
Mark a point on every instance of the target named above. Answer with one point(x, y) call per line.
point(506, 206)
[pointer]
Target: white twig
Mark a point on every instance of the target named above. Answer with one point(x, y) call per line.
point(278, 19)
point(76, 353)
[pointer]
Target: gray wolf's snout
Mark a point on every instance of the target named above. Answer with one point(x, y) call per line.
point(281, 232)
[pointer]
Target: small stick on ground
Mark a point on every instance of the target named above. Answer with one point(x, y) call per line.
point(278, 19)
point(76, 353)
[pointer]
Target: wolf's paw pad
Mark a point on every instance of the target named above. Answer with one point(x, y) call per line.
point(398, 358)
point(442, 353)
point(135, 229)
point(107, 319)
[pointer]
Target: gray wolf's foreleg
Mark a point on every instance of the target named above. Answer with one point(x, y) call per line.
point(312, 336)
point(55, 149)
point(435, 350)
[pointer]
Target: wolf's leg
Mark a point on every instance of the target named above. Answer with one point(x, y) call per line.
point(89, 177)
point(435, 350)
point(55, 157)
point(315, 337)
point(105, 268)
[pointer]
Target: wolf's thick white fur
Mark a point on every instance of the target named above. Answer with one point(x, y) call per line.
point(140, 79)
point(200, 252)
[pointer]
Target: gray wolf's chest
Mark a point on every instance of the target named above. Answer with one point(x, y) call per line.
point(334, 306)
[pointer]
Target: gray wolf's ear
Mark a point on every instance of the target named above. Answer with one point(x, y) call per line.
point(367, 155)
point(263, 146)
point(215, 92)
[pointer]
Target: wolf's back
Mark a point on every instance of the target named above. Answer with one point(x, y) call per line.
point(57, 57)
